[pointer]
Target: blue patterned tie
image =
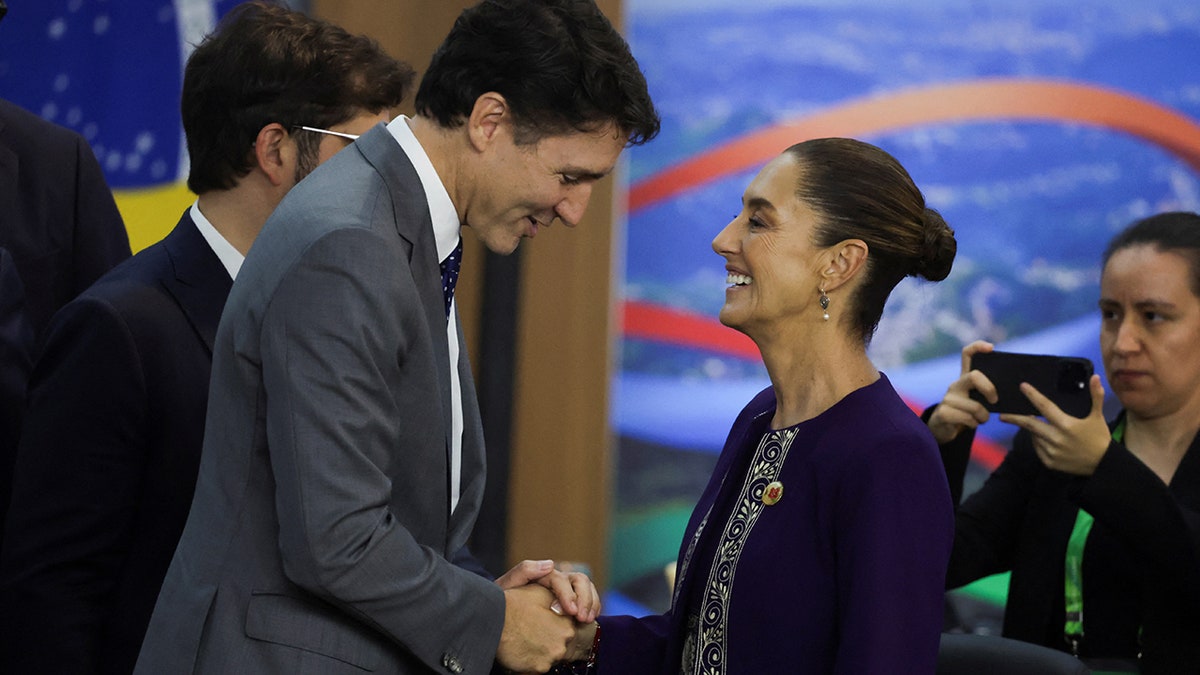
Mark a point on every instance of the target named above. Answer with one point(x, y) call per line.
point(450, 274)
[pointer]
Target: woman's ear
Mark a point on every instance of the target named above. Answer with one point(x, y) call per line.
point(846, 259)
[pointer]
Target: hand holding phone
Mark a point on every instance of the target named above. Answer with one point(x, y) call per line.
point(1062, 379)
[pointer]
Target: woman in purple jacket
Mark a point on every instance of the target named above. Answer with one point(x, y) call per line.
point(820, 544)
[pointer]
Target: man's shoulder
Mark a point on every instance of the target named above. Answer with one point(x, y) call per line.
point(340, 196)
point(371, 174)
point(25, 132)
point(134, 290)
point(146, 267)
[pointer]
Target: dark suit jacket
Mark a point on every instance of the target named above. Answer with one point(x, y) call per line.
point(320, 536)
point(108, 459)
point(16, 359)
point(1021, 519)
point(59, 222)
point(57, 215)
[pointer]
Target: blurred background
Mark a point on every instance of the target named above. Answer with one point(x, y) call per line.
point(1025, 123)
point(1037, 127)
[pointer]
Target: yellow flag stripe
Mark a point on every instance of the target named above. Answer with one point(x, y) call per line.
point(150, 213)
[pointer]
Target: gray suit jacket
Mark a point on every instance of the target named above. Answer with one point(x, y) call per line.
point(319, 537)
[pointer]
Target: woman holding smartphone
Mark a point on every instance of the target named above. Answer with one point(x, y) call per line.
point(1099, 521)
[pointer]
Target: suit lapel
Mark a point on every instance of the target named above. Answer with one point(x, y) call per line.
point(201, 283)
point(412, 222)
point(414, 225)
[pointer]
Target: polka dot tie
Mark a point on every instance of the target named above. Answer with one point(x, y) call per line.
point(450, 274)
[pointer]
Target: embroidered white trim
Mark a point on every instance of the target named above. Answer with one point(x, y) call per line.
point(706, 644)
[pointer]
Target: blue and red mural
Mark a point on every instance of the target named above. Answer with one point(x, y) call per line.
point(1038, 129)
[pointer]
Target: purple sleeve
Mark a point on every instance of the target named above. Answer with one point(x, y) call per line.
point(632, 645)
point(895, 526)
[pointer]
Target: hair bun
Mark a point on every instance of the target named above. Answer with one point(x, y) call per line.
point(938, 250)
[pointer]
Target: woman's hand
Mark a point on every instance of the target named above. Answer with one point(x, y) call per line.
point(1063, 442)
point(957, 411)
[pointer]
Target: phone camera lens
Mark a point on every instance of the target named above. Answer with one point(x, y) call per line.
point(1072, 377)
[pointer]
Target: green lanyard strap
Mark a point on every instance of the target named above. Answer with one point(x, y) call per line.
point(1073, 629)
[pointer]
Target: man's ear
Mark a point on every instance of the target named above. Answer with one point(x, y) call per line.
point(489, 118)
point(274, 155)
point(845, 260)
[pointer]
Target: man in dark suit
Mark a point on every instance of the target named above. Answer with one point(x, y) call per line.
point(58, 220)
point(108, 457)
point(343, 457)
point(61, 227)
point(61, 230)
point(16, 355)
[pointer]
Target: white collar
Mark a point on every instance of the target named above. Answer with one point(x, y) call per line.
point(446, 227)
point(229, 256)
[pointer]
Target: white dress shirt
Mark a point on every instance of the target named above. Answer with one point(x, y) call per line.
point(229, 256)
point(446, 232)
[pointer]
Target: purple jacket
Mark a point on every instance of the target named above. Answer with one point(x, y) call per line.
point(844, 574)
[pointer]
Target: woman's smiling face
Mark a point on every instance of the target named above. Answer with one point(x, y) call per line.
point(771, 261)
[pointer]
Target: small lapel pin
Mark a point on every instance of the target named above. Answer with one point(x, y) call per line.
point(773, 493)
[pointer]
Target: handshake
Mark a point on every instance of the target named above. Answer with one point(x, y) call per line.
point(549, 617)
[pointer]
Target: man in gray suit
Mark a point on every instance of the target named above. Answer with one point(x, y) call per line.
point(343, 458)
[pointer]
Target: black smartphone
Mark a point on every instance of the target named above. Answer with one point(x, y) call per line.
point(1062, 379)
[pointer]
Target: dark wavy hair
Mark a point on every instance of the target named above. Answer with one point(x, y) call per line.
point(560, 65)
point(1170, 232)
point(266, 63)
point(862, 192)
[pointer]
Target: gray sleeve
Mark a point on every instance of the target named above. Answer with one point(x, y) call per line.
point(345, 377)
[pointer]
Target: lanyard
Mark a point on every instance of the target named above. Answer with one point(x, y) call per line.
point(1073, 629)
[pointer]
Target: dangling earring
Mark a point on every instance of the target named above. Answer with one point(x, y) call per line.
point(824, 300)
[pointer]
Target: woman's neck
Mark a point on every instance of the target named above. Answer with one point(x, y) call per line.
point(810, 376)
point(1160, 443)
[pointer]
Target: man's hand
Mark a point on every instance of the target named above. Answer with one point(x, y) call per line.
point(576, 595)
point(534, 638)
